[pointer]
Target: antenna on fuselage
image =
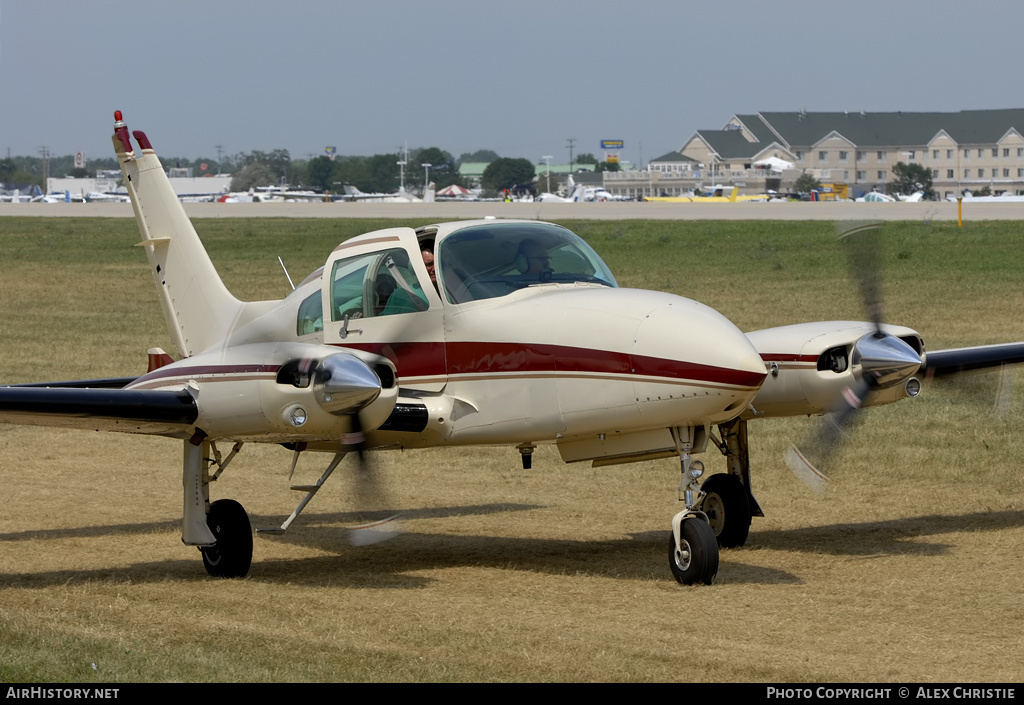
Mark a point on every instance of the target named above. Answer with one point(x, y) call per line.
point(288, 276)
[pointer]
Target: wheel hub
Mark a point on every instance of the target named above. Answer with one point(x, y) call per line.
point(683, 555)
point(715, 511)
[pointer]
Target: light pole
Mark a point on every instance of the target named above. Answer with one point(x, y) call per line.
point(547, 161)
point(401, 176)
point(426, 177)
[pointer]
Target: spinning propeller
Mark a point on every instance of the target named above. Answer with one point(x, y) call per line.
point(344, 385)
point(879, 360)
point(378, 523)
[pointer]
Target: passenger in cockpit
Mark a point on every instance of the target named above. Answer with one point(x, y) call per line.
point(427, 252)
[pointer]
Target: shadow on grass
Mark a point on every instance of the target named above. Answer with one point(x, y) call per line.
point(398, 563)
point(890, 537)
point(308, 518)
point(391, 565)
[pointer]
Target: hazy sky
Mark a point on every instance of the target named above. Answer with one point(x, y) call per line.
point(520, 77)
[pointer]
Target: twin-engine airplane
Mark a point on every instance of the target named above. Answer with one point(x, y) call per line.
point(495, 332)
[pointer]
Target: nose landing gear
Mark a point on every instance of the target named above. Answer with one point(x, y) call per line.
point(692, 550)
point(692, 547)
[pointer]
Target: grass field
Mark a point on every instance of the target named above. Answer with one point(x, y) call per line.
point(909, 568)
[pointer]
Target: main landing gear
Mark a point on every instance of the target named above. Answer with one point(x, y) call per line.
point(728, 501)
point(725, 504)
point(221, 530)
point(231, 555)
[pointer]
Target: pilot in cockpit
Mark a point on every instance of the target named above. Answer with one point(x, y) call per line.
point(532, 260)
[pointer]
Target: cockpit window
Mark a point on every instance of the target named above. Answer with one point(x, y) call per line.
point(375, 284)
point(486, 261)
point(311, 315)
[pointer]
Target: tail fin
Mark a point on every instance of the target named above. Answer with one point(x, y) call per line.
point(732, 196)
point(199, 309)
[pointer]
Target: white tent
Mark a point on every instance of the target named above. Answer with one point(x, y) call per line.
point(774, 163)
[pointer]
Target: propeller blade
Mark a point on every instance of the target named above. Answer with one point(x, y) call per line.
point(379, 523)
point(863, 240)
point(809, 460)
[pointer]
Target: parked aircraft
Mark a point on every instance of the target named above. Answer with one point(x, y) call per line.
point(354, 194)
point(19, 193)
point(496, 332)
point(98, 197)
point(716, 194)
point(578, 193)
point(1006, 197)
point(879, 197)
point(56, 197)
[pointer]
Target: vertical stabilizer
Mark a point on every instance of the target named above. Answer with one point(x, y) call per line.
point(199, 309)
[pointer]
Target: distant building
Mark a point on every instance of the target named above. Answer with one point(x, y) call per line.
point(111, 183)
point(471, 172)
point(970, 149)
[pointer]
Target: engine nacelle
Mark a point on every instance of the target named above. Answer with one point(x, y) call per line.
point(810, 364)
point(284, 392)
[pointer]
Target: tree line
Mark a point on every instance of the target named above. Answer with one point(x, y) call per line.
point(378, 173)
point(907, 179)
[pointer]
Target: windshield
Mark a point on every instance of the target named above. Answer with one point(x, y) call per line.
point(485, 261)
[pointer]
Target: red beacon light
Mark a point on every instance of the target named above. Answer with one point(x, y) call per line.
point(121, 133)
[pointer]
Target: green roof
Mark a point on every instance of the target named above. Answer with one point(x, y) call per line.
point(672, 158)
point(730, 144)
point(761, 132)
point(896, 129)
point(472, 168)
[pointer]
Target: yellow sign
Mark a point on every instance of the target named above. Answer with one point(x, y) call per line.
point(834, 192)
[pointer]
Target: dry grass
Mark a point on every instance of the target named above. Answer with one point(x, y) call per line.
point(908, 569)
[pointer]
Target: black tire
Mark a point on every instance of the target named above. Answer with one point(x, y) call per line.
point(696, 561)
point(231, 556)
point(728, 509)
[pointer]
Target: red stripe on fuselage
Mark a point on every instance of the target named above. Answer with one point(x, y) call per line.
point(786, 357)
point(465, 358)
point(204, 370)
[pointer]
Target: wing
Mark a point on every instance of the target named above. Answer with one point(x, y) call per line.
point(100, 405)
point(944, 363)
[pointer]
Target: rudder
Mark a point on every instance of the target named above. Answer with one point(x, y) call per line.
point(198, 308)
